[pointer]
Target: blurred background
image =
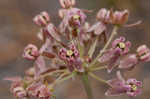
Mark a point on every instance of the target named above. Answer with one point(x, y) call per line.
point(17, 30)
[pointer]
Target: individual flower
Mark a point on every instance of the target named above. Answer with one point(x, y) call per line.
point(104, 15)
point(67, 3)
point(128, 62)
point(38, 91)
point(134, 87)
point(42, 19)
point(120, 47)
point(120, 86)
point(17, 87)
point(74, 18)
point(100, 27)
point(120, 17)
point(71, 56)
point(30, 52)
point(143, 53)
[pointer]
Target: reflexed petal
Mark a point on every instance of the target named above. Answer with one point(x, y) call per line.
point(98, 28)
point(51, 29)
point(133, 94)
point(115, 82)
point(128, 62)
point(113, 63)
point(106, 56)
point(39, 66)
point(115, 91)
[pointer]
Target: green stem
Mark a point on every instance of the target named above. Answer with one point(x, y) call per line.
point(98, 68)
point(114, 32)
point(97, 78)
point(87, 86)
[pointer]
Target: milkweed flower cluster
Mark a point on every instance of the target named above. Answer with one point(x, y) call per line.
point(71, 50)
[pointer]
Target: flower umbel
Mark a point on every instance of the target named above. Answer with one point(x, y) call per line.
point(73, 49)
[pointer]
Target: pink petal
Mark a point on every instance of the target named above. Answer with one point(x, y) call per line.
point(115, 91)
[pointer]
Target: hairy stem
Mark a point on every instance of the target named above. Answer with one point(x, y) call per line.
point(114, 32)
point(87, 86)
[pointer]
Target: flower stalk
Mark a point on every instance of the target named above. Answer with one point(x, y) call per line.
point(114, 32)
point(87, 86)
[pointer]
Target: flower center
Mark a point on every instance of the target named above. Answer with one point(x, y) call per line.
point(29, 51)
point(69, 52)
point(76, 17)
point(134, 87)
point(121, 45)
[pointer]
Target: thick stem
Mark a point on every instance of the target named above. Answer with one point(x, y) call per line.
point(114, 32)
point(87, 86)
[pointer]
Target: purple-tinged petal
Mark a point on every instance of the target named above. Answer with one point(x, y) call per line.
point(39, 66)
point(67, 3)
point(30, 52)
point(139, 83)
point(78, 65)
point(113, 62)
point(143, 53)
point(51, 30)
point(115, 91)
point(118, 40)
point(120, 17)
point(98, 28)
point(115, 82)
point(62, 13)
point(102, 14)
point(133, 94)
point(42, 19)
point(126, 49)
point(106, 56)
point(128, 62)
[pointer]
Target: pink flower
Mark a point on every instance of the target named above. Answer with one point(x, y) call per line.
point(112, 56)
point(42, 19)
point(120, 17)
point(71, 56)
point(134, 87)
point(143, 53)
point(122, 46)
point(104, 15)
point(128, 62)
point(31, 52)
point(73, 19)
point(120, 86)
point(67, 3)
point(98, 28)
point(17, 87)
point(38, 91)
